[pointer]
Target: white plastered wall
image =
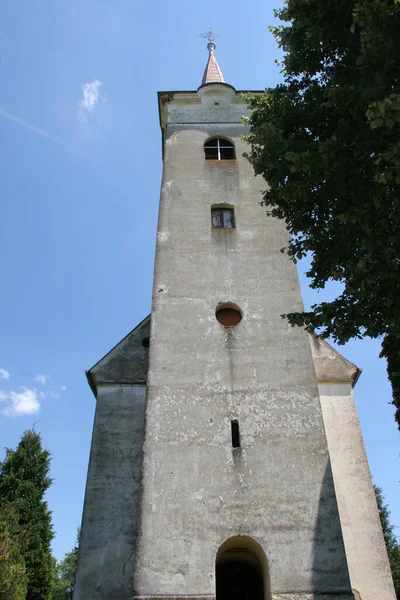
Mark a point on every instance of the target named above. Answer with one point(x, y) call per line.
point(368, 564)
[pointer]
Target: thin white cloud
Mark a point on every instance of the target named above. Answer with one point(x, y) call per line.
point(57, 393)
point(27, 400)
point(4, 374)
point(21, 403)
point(91, 96)
point(4, 113)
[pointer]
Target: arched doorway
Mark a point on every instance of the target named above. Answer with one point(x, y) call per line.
point(241, 570)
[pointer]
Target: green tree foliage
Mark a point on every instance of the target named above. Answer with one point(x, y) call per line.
point(66, 571)
point(24, 480)
point(327, 140)
point(392, 544)
point(13, 577)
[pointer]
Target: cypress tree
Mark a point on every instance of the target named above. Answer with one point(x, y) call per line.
point(13, 578)
point(24, 479)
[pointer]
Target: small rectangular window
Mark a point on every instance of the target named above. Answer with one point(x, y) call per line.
point(217, 219)
point(235, 433)
point(228, 218)
point(223, 218)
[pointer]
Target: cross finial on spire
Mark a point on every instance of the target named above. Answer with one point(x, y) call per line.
point(210, 36)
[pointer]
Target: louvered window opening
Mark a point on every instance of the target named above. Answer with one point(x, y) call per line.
point(223, 218)
point(219, 149)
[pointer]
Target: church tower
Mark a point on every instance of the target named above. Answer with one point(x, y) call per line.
point(227, 459)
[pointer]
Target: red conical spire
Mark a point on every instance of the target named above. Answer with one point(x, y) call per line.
point(212, 73)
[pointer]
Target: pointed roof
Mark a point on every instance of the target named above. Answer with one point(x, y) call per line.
point(331, 366)
point(126, 363)
point(212, 73)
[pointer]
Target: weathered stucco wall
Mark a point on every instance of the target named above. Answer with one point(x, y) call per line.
point(108, 535)
point(198, 491)
point(362, 532)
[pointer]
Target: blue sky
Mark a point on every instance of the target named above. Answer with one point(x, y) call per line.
point(81, 164)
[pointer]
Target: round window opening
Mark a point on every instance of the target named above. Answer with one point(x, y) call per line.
point(228, 315)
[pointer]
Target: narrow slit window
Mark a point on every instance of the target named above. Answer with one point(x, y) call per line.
point(219, 149)
point(235, 433)
point(223, 218)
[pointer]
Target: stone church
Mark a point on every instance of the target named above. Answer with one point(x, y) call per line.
point(227, 459)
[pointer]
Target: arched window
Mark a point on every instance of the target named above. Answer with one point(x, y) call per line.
point(241, 571)
point(219, 149)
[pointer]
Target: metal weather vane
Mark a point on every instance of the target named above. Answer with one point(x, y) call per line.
point(210, 36)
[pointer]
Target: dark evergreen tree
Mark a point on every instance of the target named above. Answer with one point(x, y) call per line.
point(327, 142)
point(24, 479)
point(13, 577)
point(392, 544)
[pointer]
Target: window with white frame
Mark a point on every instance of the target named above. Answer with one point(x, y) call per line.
point(219, 149)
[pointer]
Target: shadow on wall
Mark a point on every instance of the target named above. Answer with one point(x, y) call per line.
point(242, 570)
point(330, 573)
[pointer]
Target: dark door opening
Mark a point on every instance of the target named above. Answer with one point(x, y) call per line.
point(239, 578)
